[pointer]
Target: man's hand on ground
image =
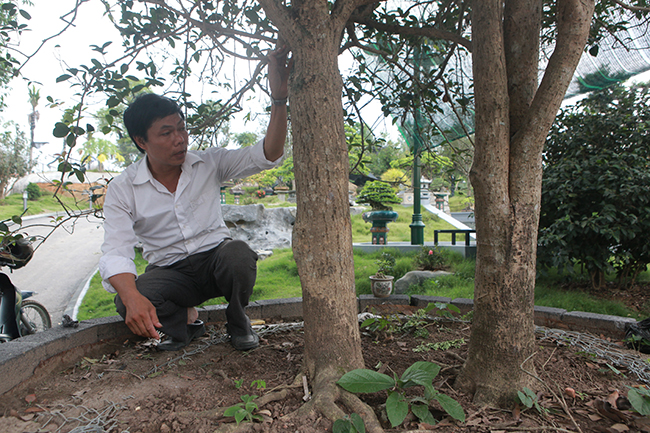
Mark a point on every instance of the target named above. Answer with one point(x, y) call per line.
point(141, 317)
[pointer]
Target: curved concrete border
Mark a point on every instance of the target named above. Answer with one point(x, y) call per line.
point(34, 356)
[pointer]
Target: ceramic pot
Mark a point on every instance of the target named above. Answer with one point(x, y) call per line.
point(381, 286)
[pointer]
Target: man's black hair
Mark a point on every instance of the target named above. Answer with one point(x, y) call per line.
point(146, 109)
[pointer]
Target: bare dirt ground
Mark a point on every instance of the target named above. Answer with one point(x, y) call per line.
point(134, 388)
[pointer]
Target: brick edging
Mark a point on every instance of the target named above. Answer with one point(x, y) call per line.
point(40, 354)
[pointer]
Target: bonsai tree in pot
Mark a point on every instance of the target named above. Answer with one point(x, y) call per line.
point(382, 282)
point(379, 195)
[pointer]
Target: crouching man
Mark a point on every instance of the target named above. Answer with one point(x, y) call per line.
point(170, 202)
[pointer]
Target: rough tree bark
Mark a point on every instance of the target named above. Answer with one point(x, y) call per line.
point(322, 236)
point(513, 117)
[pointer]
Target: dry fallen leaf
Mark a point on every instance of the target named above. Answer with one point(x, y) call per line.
point(611, 398)
point(620, 427)
point(34, 409)
point(570, 392)
point(31, 398)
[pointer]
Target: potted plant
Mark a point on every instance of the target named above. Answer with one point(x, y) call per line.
point(379, 195)
point(382, 283)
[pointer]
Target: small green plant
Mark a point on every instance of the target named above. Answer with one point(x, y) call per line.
point(429, 259)
point(640, 399)
point(258, 384)
point(33, 191)
point(441, 345)
point(385, 265)
point(351, 424)
point(238, 383)
point(398, 405)
point(443, 309)
point(529, 399)
point(244, 411)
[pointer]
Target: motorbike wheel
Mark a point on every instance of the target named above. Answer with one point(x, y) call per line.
point(33, 318)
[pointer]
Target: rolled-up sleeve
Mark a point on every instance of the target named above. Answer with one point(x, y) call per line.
point(243, 162)
point(119, 238)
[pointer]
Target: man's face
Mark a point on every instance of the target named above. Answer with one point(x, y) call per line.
point(166, 143)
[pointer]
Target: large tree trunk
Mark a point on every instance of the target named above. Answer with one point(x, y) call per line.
point(512, 120)
point(322, 236)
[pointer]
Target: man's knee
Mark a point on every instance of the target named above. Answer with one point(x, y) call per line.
point(238, 255)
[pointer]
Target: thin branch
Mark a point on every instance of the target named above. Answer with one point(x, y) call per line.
point(630, 7)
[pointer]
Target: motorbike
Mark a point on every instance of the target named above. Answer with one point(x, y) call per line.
point(19, 316)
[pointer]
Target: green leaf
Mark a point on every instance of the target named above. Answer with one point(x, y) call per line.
point(396, 408)
point(363, 380)
point(451, 406)
point(80, 175)
point(342, 426)
point(71, 140)
point(63, 77)
point(421, 373)
point(423, 413)
point(240, 415)
point(60, 130)
point(25, 14)
point(639, 401)
point(357, 422)
point(232, 410)
point(3, 227)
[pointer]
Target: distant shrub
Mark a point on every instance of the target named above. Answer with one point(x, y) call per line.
point(430, 259)
point(33, 191)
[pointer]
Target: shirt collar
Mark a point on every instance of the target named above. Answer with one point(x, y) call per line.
point(143, 175)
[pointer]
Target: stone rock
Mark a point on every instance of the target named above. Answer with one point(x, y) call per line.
point(262, 228)
point(416, 277)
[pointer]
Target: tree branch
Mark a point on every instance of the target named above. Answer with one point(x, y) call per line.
point(429, 32)
point(630, 7)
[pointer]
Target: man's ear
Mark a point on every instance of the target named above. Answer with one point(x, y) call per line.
point(141, 142)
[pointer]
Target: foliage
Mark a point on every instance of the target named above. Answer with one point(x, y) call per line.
point(429, 258)
point(33, 191)
point(421, 373)
point(640, 399)
point(529, 399)
point(102, 150)
point(385, 265)
point(12, 23)
point(244, 411)
point(416, 323)
point(349, 424)
point(379, 195)
point(396, 176)
point(14, 156)
point(361, 145)
point(595, 206)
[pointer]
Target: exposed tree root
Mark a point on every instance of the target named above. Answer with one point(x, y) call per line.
point(324, 402)
point(326, 397)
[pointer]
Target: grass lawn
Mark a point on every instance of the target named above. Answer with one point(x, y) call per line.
point(278, 278)
point(13, 205)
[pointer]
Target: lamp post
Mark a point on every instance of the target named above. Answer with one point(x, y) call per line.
point(417, 226)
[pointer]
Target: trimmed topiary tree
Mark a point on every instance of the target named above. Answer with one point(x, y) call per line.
point(379, 195)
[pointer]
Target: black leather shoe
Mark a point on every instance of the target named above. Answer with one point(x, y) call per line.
point(194, 330)
point(245, 342)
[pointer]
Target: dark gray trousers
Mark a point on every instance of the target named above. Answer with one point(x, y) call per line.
point(228, 270)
